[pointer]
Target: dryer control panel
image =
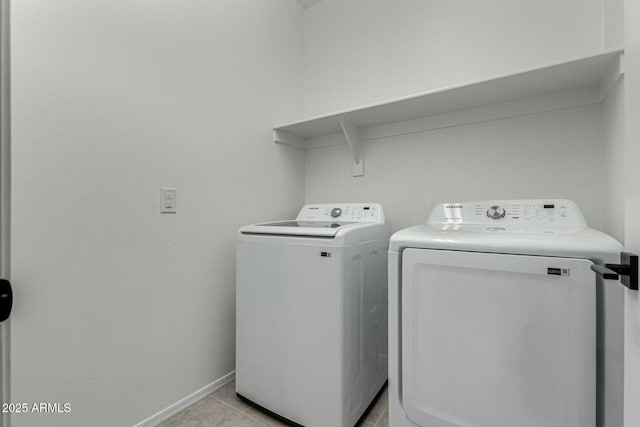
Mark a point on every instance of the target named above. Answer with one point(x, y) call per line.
point(527, 212)
point(342, 212)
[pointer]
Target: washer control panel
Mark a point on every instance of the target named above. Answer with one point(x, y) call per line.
point(529, 212)
point(342, 212)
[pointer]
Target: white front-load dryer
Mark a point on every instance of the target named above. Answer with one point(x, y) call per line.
point(311, 313)
point(496, 319)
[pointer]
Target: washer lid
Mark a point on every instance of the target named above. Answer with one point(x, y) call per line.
point(324, 229)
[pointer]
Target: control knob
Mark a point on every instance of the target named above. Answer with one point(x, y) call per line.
point(496, 212)
point(336, 212)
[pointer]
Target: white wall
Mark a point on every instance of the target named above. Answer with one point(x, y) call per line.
point(613, 23)
point(614, 139)
point(360, 51)
point(119, 310)
point(556, 154)
point(632, 207)
point(613, 165)
point(363, 51)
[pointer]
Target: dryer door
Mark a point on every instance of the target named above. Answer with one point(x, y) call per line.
point(497, 340)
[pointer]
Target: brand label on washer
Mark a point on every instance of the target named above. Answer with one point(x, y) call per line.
point(559, 271)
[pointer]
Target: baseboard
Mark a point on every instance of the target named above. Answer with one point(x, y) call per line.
point(181, 404)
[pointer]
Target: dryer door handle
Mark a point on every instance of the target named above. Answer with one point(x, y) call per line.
point(628, 269)
point(605, 272)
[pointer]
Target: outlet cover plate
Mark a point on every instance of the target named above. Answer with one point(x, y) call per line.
point(168, 200)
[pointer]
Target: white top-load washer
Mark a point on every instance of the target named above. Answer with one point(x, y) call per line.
point(496, 320)
point(311, 313)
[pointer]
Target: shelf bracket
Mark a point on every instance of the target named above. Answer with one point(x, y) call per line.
point(611, 76)
point(286, 138)
point(352, 134)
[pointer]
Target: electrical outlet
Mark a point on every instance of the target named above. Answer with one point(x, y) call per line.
point(168, 200)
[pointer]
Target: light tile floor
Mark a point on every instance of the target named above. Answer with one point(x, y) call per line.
point(223, 409)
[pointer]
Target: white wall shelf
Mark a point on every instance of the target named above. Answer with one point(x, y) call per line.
point(579, 81)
